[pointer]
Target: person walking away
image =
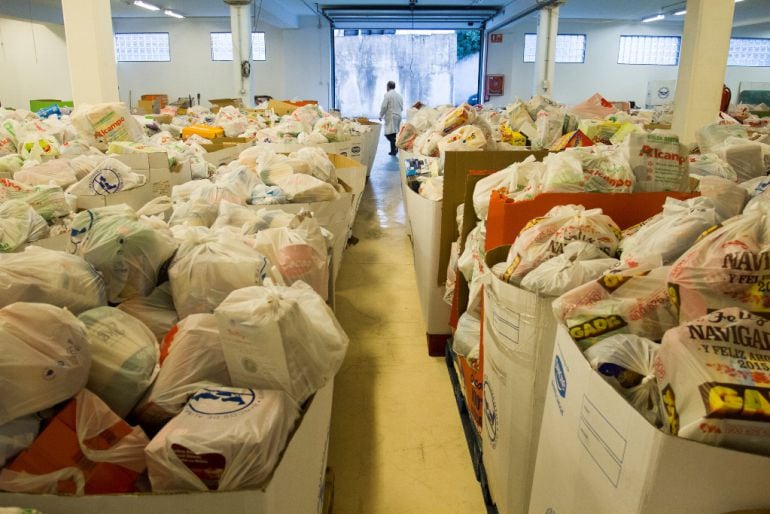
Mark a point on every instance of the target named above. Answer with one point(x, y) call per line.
point(390, 113)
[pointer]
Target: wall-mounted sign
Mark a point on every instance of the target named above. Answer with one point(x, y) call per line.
point(495, 38)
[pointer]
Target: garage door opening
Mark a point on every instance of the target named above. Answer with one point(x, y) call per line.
point(431, 66)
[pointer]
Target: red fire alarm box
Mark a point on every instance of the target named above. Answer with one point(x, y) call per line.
point(495, 38)
point(495, 85)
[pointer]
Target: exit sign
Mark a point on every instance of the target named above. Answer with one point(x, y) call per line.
point(495, 38)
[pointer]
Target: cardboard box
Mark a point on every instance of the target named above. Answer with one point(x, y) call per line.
point(36, 105)
point(221, 153)
point(597, 454)
point(456, 166)
point(425, 222)
point(148, 106)
point(518, 336)
point(353, 173)
point(159, 182)
point(281, 108)
point(371, 141)
point(506, 218)
point(297, 485)
point(222, 102)
point(156, 166)
point(206, 131)
point(162, 99)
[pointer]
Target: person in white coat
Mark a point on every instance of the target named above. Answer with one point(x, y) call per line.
point(390, 113)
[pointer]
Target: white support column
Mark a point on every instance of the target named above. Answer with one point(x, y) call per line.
point(702, 64)
point(547, 29)
point(90, 51)
point(240, 26)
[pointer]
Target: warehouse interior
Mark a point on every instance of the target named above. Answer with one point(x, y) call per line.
point(411, 425)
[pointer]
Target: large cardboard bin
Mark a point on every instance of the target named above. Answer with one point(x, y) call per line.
point(597, 454)
point(297, 485)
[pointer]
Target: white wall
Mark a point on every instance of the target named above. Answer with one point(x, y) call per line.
point(308, 68)
point(191, 69)
point(33, 62)
point(600, 72)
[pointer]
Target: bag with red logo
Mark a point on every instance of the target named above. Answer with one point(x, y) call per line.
point(225, 439)
point(659, 161)
point(101, 124)
point(631, 301)
point(714, 380)
point(299, 252)
point(546, 237)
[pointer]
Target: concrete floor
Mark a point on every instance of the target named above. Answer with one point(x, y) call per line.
point(397, 445)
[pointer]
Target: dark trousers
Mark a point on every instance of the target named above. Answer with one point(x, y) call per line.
point(392, 139)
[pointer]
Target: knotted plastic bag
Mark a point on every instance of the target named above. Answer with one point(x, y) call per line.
point(283, 338)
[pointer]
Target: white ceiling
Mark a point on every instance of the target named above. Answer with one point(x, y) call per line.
point(285, 13)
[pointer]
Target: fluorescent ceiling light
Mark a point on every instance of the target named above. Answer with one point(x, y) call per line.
point(736, 1)
point(653, 18)
point(169, 12)
point(145, 5)
point(680, 13)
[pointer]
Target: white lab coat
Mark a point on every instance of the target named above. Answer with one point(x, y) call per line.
point(390, 112)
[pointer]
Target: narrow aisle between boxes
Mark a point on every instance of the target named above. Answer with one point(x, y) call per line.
point(397, 445)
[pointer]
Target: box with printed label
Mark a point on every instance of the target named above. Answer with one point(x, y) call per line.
point(518, 336)
point(297, 484)
point(597, 454)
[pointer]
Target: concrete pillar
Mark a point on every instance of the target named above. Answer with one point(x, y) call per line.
point(702, 63)
point(547, 30)
point(90, 51)
point(240, 26)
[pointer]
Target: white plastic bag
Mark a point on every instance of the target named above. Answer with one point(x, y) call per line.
point(17, 435)
point(190, 358)
point(627, 362)
point(39, 275)
point(10, 163)
point(109, 177)
point(672, 233)
point(250, 220)
point(19, 224)
point(124, 357)
point(467, 337)
point(155, 310)
point(57, 171)
point(299, 251)
point(38, 147)
point(301, 188)
point(433, 189)
point(103, 438)
point(44, 358)
point(710, 164)
point(209, 266)
point(101, 124)
point(225, 439)
point(48, 201)
point(606, 170)
point(631, 301)
point(728, 267)
point(563, 173)
point(283, 338)
point(127, 250)
point(546, 237)
point(660, 162)
point(712, 375)
point(314, 161)
point(580, 263)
